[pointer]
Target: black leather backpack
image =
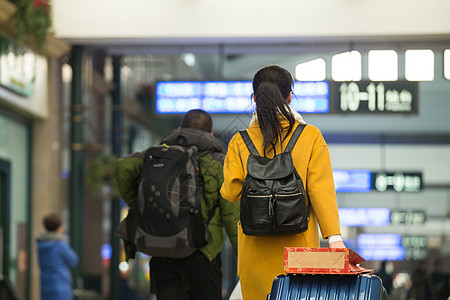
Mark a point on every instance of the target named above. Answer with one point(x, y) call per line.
point(273, 200)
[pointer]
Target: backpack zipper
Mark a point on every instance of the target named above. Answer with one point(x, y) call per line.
point(258, 196)
point(271, 205)
point(287, 195)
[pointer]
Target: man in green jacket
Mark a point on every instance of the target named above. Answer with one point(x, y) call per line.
point(198, 276)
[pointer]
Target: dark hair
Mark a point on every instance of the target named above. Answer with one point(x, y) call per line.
point(272, 86)
point(197, 118)
point(52, 222)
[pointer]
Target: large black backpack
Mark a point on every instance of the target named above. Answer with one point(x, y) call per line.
point(273, 200)
point(166, 220)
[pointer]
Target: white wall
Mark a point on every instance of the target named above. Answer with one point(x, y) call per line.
point(150, 19)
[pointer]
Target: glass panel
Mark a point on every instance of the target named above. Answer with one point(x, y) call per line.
point(14, 149)
point(2, 218)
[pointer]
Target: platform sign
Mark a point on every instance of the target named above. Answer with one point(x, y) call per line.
point(415, 247)
point(398, 181)
point(177, 97)
point(415, 241)
point(408, 217)
point(375, 97)
point(17, 67)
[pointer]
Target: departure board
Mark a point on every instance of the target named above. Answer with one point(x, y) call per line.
point(177, 97)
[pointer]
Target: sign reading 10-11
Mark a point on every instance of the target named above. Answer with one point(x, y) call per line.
point(374, 97)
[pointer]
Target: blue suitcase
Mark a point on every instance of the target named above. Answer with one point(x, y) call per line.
point(327, 287)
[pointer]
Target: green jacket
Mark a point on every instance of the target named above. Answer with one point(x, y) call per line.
point(211, 160)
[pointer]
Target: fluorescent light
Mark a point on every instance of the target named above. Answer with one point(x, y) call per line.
point(313, 70)
point(447, 63)
point(66, 73)
point(383, 65)
point(346, 66)
point(419, 65)
point(126, 71)
point(188, 58)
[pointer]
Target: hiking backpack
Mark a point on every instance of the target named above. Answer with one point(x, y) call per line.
point(273, 200)
point(166, 220)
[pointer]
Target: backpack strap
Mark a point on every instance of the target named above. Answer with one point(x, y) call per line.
point(212, 212)
point(297, 132)
point(131, 228)
point(248, 141)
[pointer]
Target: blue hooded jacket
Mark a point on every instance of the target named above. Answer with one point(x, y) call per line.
point(56, 258)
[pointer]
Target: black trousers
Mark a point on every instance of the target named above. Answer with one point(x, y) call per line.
point(190, 278)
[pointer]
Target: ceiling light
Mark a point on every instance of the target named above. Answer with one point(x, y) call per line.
point(346, 66)
point(313, 70)
point(383, 65)
point(419, 65)
point(447, 63)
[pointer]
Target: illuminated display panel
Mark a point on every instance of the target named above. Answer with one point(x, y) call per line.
point(360, 217)
point(398, 181)
point(358, 97)
point(311, 97)
point(177, 97)
point(381, 246)
point(352, 181)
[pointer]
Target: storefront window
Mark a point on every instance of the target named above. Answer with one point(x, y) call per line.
point(14, 150)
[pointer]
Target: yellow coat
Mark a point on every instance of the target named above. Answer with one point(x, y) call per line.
point(260, 259)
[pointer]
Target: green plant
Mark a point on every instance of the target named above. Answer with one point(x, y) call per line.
point(33, 21)
point(100, 175)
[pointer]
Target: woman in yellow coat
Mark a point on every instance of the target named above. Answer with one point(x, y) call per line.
point(260, 259)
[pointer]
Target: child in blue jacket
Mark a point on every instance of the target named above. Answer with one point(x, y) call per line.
point(56, 258)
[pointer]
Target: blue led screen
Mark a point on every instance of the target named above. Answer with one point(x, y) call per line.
point(380, 254)
point(352, 181)
point(360, 217)
point(311, 97)
point(381, 246)
point(176, 97)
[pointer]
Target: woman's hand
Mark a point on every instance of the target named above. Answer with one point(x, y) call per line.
point(337, 244)
point(335, 241)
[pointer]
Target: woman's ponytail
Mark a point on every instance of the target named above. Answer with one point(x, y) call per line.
point(272, 86)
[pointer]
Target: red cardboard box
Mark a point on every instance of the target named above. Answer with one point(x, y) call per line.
point(302, 260)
